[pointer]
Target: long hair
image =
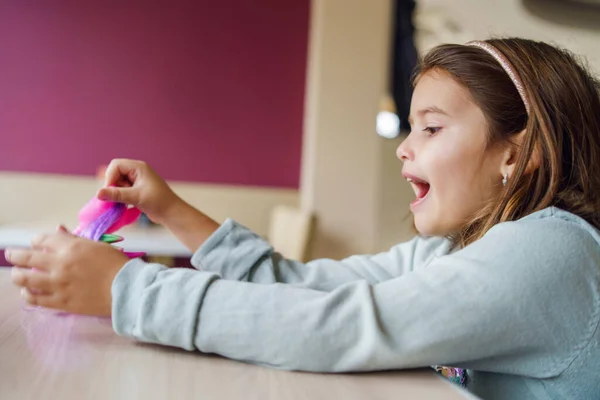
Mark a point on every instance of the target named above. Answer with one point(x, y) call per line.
point(562, 130)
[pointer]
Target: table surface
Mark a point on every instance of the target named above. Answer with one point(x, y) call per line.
point(154, 240)
point(45, 355)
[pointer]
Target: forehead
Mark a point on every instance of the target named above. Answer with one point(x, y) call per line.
point(438, 88)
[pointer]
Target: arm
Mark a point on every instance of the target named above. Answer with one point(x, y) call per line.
point(236, 253)
point(528, 313)
point(189, 225)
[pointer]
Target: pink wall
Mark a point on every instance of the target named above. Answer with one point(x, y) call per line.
point(206, 91)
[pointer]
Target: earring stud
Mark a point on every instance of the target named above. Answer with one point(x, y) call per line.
point(504, 179)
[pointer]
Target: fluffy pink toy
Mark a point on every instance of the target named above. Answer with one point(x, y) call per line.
point(98, 219)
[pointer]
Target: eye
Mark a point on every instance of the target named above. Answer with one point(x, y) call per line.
point(432, 130)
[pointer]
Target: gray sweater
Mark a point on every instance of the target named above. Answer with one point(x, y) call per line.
point(519, 308)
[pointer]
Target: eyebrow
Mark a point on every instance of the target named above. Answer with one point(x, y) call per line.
point(428, 110)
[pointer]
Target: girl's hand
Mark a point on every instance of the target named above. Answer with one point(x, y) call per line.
point(139, 185)
point(71, 274)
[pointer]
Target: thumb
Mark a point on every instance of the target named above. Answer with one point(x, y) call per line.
point(118, 195)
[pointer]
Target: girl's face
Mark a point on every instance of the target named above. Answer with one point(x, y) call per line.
point(446, 157)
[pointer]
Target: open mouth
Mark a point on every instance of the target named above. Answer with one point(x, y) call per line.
point(420, 187)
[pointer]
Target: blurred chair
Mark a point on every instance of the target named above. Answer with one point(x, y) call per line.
point(289, 231)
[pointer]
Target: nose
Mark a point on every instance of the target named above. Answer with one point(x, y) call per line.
point(404, 152)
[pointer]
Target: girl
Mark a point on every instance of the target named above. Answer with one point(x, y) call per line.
point(503, 280)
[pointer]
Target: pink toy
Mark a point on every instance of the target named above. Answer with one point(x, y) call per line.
point(98, 219)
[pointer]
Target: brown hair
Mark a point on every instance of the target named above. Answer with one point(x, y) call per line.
point(563, 127)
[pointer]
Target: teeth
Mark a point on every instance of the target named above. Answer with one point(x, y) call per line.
point(409, 180)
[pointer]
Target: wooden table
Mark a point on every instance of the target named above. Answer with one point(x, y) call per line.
point(48, 356)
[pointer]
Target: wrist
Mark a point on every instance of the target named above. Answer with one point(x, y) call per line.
point(171, 211)
point(189, 225)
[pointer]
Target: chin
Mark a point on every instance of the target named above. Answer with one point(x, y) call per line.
point(426, 227)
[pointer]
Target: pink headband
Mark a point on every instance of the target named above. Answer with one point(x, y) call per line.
point(506, 65)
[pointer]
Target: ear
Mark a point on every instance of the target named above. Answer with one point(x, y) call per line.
point(511, 153)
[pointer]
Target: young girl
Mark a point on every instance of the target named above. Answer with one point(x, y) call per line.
point(503, 280)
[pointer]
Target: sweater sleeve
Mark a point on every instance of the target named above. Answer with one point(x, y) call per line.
point(523, 299)
point(236, 253)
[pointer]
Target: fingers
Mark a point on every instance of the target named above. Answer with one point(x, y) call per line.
point(34, 281)
point(125, 195)
point(122, 172)
point(121, 175)
point(47, 300)
point(29, 258)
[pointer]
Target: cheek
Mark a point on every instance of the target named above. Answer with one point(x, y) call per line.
point(447, 168)
point(457, 177)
